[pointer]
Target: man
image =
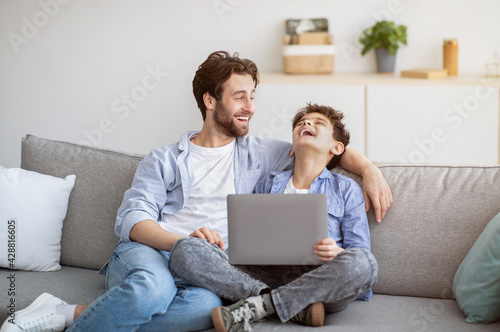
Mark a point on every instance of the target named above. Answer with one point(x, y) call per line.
point(300, 294)
point(180, 190)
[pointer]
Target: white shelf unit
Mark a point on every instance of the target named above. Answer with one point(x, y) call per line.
point(453, 120)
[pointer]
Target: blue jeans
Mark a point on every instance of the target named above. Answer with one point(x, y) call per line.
point(335, 283)
point(142, 295)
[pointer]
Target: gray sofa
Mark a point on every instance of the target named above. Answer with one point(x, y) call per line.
point(438, 213)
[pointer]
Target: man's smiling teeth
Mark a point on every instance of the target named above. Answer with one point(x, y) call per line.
point(242, 118)
point(306, 131)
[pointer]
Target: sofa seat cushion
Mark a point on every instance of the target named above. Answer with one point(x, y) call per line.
point(387, 313)
point(71, 284)
point(383, 313)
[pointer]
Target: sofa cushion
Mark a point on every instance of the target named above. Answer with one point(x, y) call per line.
point(102, 177)
point(32, 210)
point(71, 284)
point(386, 313)
point(437, 215)
point(477, 281)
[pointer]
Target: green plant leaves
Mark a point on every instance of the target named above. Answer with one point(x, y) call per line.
point(384, 34)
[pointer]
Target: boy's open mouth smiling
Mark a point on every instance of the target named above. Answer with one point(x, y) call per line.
point(306, 132)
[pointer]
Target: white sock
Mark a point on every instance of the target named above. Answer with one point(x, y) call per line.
point(264, 306)
point(268, 304)
point(68, 311)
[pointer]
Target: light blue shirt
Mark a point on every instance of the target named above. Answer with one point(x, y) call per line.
point(347, 220)
point(163, 179)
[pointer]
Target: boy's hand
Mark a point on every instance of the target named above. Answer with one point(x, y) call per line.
point(211, 236)
point(327, 249)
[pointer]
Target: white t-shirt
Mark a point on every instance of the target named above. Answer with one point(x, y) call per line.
point(290, 189)
point(207, 204)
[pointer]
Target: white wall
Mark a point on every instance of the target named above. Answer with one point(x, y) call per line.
point(68, 67)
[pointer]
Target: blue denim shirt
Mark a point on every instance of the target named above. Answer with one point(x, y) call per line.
point(347, 220)
point(163, 179)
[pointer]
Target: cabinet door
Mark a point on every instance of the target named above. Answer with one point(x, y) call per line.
point(276, 105)
point(433, 124)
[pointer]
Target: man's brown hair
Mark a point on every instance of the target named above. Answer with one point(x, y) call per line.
point(215, 71)
point(340, 133)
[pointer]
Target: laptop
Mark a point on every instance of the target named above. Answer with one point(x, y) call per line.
point(275, 229)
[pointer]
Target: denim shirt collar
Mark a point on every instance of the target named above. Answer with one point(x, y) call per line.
point(185, 168)
point(281, 179)
point(184, 141)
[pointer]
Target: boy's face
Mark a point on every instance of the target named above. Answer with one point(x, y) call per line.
point(233, 111)
point(314, 130)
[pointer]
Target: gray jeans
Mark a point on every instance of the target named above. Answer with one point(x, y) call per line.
point(336, 283)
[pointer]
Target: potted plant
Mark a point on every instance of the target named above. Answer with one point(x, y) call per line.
point(385, 38)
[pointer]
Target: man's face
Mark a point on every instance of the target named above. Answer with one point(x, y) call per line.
point(314, 130)
point(233, 112)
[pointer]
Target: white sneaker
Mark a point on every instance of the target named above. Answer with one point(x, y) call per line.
point(38, 316)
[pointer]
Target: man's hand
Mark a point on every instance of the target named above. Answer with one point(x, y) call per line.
point(211, 236)
point(327, 249)
point(377, 191)
point(375, 188)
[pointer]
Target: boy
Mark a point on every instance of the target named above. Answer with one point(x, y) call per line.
point(301, 294)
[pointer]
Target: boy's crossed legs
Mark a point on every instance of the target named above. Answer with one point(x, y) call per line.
point(286, 290)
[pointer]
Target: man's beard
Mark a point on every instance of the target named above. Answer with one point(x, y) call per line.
point(224, 123)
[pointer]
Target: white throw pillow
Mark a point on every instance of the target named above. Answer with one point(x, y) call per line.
point(32, 209)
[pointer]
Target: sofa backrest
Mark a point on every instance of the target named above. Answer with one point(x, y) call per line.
point(437, 215)
point(102, 177)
